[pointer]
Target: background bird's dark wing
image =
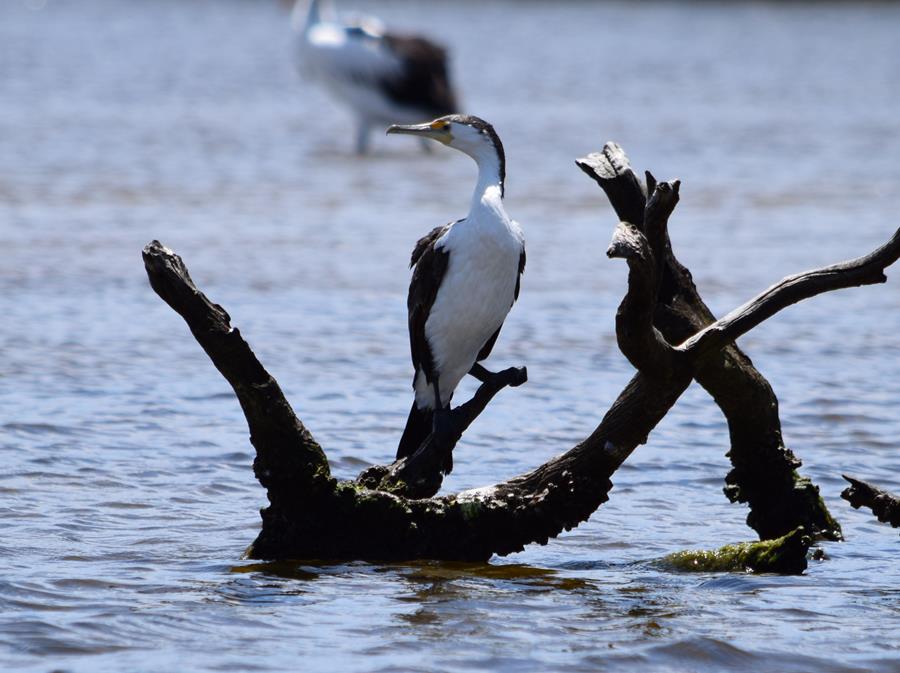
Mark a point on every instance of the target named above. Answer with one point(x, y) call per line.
point(424, 81)
point(521, 271)
point(429, 266)
point(489, 344)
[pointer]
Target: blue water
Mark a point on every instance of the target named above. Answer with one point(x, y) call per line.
point(126, 491)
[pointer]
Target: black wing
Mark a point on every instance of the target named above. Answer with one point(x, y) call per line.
point(489, 344)
point(429, 266)
point(424, 82)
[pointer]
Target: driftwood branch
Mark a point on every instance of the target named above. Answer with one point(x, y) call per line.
point(764, 471)
point(313, 515)
point(287, 456)
point(884, 506)
point(866, 270)
point(638, 339)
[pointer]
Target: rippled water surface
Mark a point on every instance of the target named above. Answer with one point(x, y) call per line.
point(126, 491)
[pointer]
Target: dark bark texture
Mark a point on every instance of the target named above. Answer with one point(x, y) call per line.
point(662, 327)
point(884, 506)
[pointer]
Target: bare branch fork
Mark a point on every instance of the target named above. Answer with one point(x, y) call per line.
point(764, 473)
point(664, 330)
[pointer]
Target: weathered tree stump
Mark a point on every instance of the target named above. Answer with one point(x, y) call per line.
point(662, 327)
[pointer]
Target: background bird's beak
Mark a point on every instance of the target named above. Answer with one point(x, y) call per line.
point(441, 134)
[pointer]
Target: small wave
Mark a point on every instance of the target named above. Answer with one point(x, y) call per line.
point(43, 429)
point(702, 654)
point(114, 504)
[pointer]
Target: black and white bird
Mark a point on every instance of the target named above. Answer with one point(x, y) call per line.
point(383, 77)
point(465, 279)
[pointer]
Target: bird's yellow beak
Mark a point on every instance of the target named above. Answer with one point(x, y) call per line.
point(439, 131)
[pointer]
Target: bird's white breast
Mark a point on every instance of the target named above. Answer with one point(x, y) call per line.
point(476, 293)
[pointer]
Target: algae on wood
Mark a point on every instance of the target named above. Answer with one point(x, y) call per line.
point(784, 555)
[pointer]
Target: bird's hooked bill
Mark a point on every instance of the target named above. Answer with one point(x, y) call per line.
point(439, 131)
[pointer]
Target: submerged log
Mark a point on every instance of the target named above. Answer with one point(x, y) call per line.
point(785, 555)
point(884, 506)
point(384, 515)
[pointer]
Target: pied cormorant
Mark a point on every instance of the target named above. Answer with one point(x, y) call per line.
point(383, 77)
point(465, 279)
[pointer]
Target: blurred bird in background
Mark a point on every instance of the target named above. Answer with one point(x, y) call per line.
point(383, 77)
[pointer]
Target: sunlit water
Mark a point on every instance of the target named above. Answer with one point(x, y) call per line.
point(126, 491)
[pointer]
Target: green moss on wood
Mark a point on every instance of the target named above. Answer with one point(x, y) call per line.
point(784, 555)
point(827, 526)
point(780, 497)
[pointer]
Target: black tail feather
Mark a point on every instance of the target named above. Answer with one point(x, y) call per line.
point(418, 427)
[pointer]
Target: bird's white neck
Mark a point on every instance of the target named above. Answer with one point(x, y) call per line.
point(489, 188)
